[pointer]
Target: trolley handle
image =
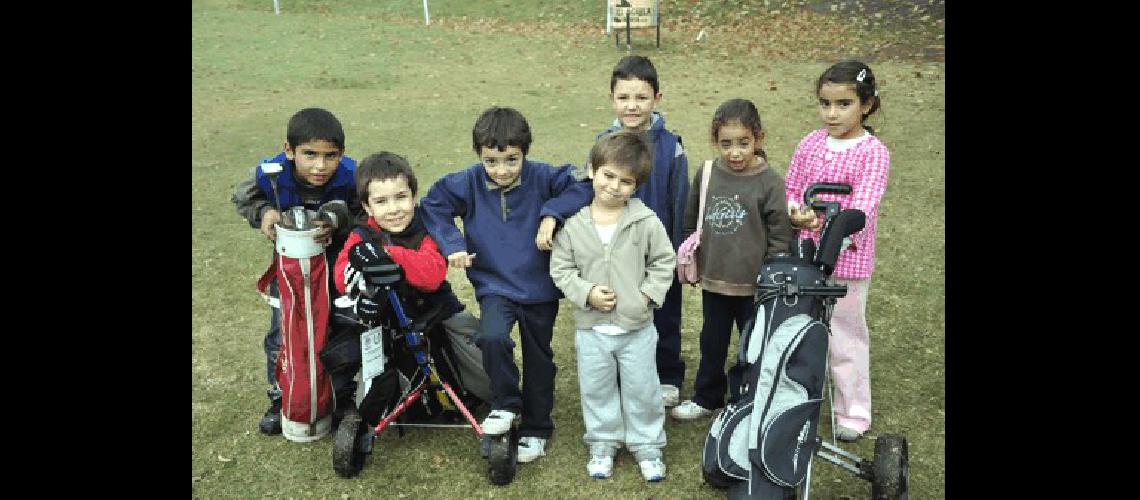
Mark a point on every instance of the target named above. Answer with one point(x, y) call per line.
point(829, 208)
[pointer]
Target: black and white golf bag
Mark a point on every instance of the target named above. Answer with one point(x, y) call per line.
point(762, 444)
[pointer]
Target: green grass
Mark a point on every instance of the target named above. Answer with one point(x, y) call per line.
point(400, 86)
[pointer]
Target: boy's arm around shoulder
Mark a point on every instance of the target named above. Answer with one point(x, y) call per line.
point(424, 267)
point(660, 261)
point(447, 199)
point(565, 273)
point(570, 191)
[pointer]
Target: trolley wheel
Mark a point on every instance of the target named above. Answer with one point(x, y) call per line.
point(891, 478)
point(352, 445)
point(719, 481)
point(503, 457)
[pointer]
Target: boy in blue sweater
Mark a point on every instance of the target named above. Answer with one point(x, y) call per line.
point(315, 174)
point(634, 94)
point(510, 207)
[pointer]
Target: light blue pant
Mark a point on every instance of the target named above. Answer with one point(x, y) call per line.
point(632, 414)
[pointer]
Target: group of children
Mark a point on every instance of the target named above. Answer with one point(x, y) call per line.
point(605, 237)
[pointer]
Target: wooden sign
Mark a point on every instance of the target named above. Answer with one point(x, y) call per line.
point(642, 13)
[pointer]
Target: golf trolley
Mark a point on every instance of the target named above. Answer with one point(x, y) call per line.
point(409, 382)
point(762, 444)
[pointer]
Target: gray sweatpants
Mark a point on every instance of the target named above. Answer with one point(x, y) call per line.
point(635, 414)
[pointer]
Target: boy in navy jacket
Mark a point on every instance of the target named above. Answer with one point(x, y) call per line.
point(634, 96)
point(315, 174)
point(510, 207)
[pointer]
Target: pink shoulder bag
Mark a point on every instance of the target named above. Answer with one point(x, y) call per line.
point(687, 271)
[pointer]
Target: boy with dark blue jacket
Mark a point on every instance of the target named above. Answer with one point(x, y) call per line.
point(510, 207)
point(634, 94)
point(315, 173)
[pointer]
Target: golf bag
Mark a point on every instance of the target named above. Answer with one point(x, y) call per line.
point(301, 272)
point(762, 444)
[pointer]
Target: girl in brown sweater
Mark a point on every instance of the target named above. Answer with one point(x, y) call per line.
point(745, 220)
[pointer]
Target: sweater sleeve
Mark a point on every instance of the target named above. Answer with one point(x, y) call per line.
point(342, 261)
point(570, 192)
point(660, 262)
point(424, 267)
point(678, 194)
point(250, 201)
point(795, 180)
point(565, 273)
point(776, 219)
point(447, 199)
point(869, 187)
point(692, 206)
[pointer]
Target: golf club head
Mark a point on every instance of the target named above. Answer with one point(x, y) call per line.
point(835, 229)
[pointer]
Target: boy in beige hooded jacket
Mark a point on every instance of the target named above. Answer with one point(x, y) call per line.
point(613, 259)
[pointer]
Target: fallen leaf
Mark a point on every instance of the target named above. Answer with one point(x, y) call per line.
point(224, 459)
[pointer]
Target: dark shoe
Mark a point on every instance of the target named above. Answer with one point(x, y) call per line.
point(271, 423)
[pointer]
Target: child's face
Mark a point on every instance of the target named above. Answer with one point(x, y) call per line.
point(502, 167)
point(738, 145)
point(391, 203)
point(315, 160)
point(633, 101)
point(841, 111)
point(613, 185)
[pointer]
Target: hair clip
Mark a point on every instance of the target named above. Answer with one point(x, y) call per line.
point(862, 74)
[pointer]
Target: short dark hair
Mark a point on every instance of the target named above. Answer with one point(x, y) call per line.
point(314, 124)
point(848, 72)
point(499, 128)
point(635, 67)
point(740, 111)
point(382, 166)
point(625, 148)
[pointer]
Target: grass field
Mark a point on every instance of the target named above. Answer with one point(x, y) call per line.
point(416, 90)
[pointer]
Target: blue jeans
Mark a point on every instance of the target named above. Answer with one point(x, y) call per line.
point(667, 321)
point(536, 327)
point(343, 385)
point(716, 333)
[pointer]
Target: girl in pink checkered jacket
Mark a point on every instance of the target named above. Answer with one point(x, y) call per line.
point(845, 151)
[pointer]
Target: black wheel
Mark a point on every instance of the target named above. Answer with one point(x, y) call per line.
point(891, 478)
point(503, 457)
point(719, 481)
point(352, 446)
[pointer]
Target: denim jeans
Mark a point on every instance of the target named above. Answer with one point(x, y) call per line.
point(536, 327)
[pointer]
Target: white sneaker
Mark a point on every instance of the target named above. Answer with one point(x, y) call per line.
point(688, 410)
point(498, 422)
point(844, 433)
point(670, 395)
point(530, 448)
point(652, 470)
point(600, 466)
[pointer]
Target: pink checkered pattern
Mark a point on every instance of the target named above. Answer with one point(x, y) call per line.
point(864, 166)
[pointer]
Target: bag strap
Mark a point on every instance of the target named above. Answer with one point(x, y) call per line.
point(705, 175)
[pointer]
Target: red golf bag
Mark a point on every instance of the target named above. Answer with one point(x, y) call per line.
point(301, 272)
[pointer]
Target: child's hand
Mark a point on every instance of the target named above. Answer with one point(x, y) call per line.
point(602, 298)
point(460, 260)
point(545, 237)
point(804, 217)
point(271, 217)
point(324, 233)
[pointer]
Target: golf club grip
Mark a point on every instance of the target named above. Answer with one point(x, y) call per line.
point(824, 187)
point(836, 228)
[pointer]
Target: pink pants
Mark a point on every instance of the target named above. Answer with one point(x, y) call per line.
point(850, 353)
